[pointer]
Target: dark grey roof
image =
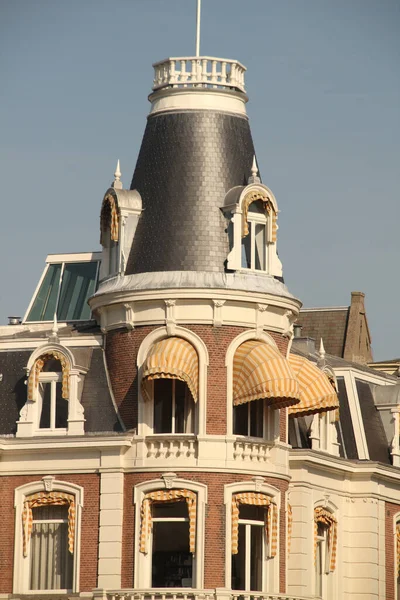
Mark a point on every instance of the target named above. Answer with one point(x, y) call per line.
point(377, 443)
point(187, 162)
point(345, 428)
point(328, 324)
point(96, 400)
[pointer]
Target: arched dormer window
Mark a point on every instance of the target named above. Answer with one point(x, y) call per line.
point(252, 231)
point(52, 405)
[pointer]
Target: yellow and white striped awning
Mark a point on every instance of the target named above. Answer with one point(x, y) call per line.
point(260, 371)
point(172, 358)
point(316, 391)
point(271, 518)
point(326, 518)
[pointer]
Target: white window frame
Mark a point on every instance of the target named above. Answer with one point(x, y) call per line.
point(145, 412)
point(332, 579)
point(29, 417)
point(271, 569)
point(268, 423)
point(52, 378)
point(248, 524)
point(254, 219)
point(22, 563)
point(143, 562)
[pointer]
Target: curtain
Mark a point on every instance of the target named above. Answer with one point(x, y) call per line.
point(326, 518)
point(167, 496)
point(50, 561)
point(289, 526)
point(271, 518)
point(109, 218)
point(33, 378)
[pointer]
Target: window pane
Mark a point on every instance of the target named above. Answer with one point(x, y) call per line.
point(162, 406)
point(256, 558)
point(246, 250)
point(184, 409)
point(172, 561)
point(171, 509)
point(53, 365)
point(239, 562)
point(51, 563)
point(260, 247)
point(78, 283)
point(61, 408)
point(45, 391)
point(257, 418)
point(257, 207)
point(240, 419)
point(44, 305)
point(252, 513)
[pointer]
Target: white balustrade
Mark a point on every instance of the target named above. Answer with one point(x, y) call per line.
point(201, 71)
point(189, 594)
point(172, 447)
point(253, 451)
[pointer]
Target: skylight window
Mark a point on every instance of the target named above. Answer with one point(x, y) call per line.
point(65, 286)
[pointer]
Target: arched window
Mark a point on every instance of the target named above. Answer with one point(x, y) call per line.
point(170, 383)
point(170, 533)
point(325, 545)
point(252, 515)
point(47, 536)
point(52, 406)
point(254, 244)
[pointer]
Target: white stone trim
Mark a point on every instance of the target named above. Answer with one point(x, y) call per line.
point(168, 100)
point(144, 418)
point(142, 575)
point(21, 563)
point(110, 529)
point(257, 484)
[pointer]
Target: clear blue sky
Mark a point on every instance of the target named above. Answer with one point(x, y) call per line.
point(324, 87)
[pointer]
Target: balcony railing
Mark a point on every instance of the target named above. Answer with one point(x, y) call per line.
point(189, 594)
point(201, 71)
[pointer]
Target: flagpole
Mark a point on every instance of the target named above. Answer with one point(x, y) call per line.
point(198, 28)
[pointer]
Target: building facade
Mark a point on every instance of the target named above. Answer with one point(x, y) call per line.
point(171, 438)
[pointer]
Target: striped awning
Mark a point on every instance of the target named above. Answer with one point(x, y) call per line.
point(271, 518)
point(172, 358)
point(109, 218)
point(316, 391)
point(167, 496)
point(260, 371)
point(45, 499)
point(38, 365)
point(321, 515)
point(269, 209)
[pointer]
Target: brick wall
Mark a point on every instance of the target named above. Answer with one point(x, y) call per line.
point(215, 525)
point(89, 530)
point(121, 352)
point(391, 511)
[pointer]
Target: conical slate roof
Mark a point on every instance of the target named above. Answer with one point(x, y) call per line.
point(188, 160)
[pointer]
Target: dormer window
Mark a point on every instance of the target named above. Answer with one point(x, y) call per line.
point(53, 384)
point(254, 244)
point(252, 230)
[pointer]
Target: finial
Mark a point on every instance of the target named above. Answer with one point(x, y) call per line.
point(117, 183)
point(254, 178)
point(198, 28)
point(54, 332)
point(321, 354)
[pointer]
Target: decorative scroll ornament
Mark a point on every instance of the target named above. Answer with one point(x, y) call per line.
point(268, 207)
point(37, 367)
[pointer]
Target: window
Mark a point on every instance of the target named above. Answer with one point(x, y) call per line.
point(51, 562)
point(173, 407)
point(248, 419)
point(65, 288)
point(172, 561)
point(247, 564)
point(325, 542)
point(53, 411)
point(47, 534)
point(254, 244)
